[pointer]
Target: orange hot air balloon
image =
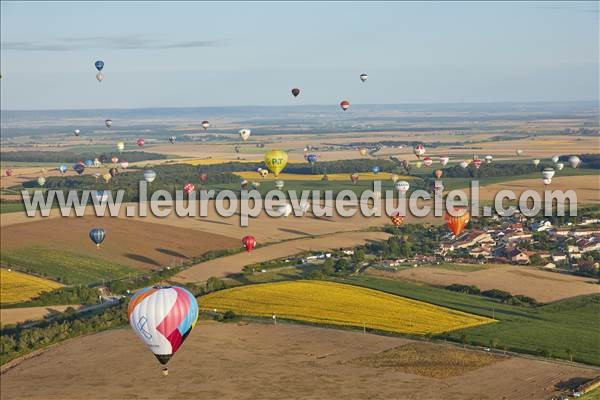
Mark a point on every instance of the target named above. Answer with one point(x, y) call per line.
point(345, 104)
point(438, 173)
point(397, 219)
point(457, 223)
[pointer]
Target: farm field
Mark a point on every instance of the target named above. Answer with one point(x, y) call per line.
point(18, 315)
point(366, 176)
point(143, 246)
point(328, 303)
point(16, 287)
point(544, 286)
point(551, 329)
point(272, 362)
point(233, 264)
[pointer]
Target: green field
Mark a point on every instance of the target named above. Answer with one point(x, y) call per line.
point(11, 207)
point(549, 330)
point(62, 266)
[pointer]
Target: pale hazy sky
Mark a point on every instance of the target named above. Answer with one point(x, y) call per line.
point(204, 54)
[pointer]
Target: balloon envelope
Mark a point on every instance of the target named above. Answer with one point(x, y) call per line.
point(205, 124)
point(163, 317)
point(149, 176)
point(344, 104)
point(364, 77)
point(97, 236)
point(295, 92)
point(574, 161)
point(419, 150)
point(276, 160)
point(245, 134)
point(99, 65)
point(457, 223)
point(249, 242)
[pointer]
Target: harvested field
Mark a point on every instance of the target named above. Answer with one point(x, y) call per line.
point(232, 361)
point(18, 315)
point(364, 176)
point(16, 287)
point(233, 264)
point(143, 245)
point(544, 286)
point(328, 303)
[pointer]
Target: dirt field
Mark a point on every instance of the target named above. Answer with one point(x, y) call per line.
point(143, 245)
point(224, 266)
point(544, 286)
point(252, 361)
point(17, 315)
point(587, 187)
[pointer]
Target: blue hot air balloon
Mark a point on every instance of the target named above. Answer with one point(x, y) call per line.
point(97, 235)
point(89, 163)
point(79, 168)
point(99, 65)
point(375, 169)
point(311, 158)
point(63, 169)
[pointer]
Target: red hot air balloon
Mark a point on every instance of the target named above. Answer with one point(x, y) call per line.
point(427, 161)
point(345, 104)
point(295, 92)
point(8, 172)
point(188, 188)
point(477, 163)
point(397, 219)
point(249, 243)
point(457, 223)
point(438, 173)
point(140, 142)
point(419, 150)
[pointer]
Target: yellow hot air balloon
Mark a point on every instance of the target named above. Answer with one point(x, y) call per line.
point(106, 177)
point(120, 145)
point(276, 160)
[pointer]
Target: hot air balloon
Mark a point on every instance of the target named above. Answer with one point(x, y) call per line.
point(363, 151)
point(574, 161)
point(107, 177)
point(124, 164)
point(255, 185)
point(536, 162)
point(140, 142)
point(120, 146)
point(41, 181)
point(418, 164)
point(243, 183)
point(488, 159)
point(555, 159)
point(149, 175)
point(546, 181)
point(438, 187)
point(444, 160)
point(249, 242)
point(99, 65)
point(397, 219)
point(203, 177)
point(262, 172)
point(477, 163)
point(276, 160)
point(245, 134)
point(559, 166)
point(344, 104)
point(97, 175)
point(464, 164)
point(519, 152)
point(97, 163)
point(364, 77)
point(99, 76)
point(8, 172)
point(79, 168)
point(63, 169)
point(101, 196)
point(188, 188)
point(76, 132)
point(438, 173)
point(419, 150)
point(548, 173)
point(402, 187)
point(354, 178)
point(163, 317)
point(284, 210)
point(108, 123)
point(395, 178)
point(89, 163)
point(295, 92)
point(113, 172)
point(311, 158)
point(97, 235)
point(375, 169)
point(114, 160)
point(457, 223)
point(205, 124)
point(279, 184)
point(172, 139)
point(427, 161)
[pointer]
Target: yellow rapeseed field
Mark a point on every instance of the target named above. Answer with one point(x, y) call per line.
point(16, 287)
point(363, 176)
point(340, 304)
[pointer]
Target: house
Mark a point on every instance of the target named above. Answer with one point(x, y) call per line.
point(479, 252)
point(517, 236)
point(585, 232)
point(470, 239)
point(559, 258)
point(562, 232)
point(348, 252)
point(550, 266)
point(590, 221)
point(517, 256)
point(541, 226)
point(444, 249)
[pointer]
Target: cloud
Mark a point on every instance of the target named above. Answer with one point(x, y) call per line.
point(128, 42)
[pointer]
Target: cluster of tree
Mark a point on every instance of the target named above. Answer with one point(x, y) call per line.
point(492, 170)
point(589, 160)
point(408, 240)
point(65, 295)
point(500, 295)
point(70, 157)
point(17, 341)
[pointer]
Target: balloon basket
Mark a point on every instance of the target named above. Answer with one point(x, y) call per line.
point(165, 371)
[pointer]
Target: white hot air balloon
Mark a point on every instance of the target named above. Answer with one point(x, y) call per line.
point(97, 163)
point(124, 164)
point(99, 76)
point(364, 77)
point(559, 166)
point(245, 134)
point(279, 184)
point(546, 181)
point(536, 162)
point(489, 159)
point(464, 164)
point(149, 176)
point(108, 123)
point(402, 187)
point(548, 173)
point(76, 132)
point(444, 160)
point(574, 161)
point(41, 181)
point(283, 210)
point(555, 159)
point(519, 152)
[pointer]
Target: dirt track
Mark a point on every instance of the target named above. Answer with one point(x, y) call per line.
point(544, 286)
point(229, 361)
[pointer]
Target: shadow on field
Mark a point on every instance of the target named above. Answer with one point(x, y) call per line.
point(293, 231)
point(172, 253)
point(140, 258)
point(572, 383)
point(213, 222)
